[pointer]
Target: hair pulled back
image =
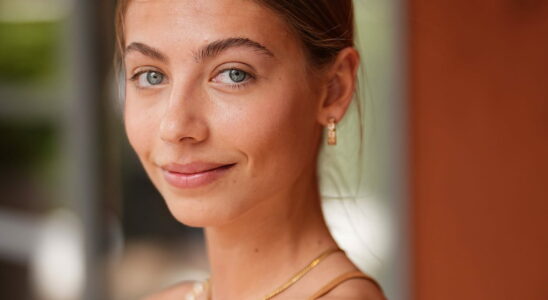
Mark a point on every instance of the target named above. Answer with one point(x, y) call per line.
point(324, 27)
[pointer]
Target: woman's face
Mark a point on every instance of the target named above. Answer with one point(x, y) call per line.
point(220, 106)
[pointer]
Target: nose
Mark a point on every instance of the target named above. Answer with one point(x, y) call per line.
point(184, 118)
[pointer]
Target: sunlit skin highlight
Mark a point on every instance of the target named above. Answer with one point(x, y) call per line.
point(228, 82)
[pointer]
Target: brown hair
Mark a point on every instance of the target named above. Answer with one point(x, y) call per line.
point(325, 27)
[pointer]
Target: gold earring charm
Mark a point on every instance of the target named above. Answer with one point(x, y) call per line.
point(331, 132)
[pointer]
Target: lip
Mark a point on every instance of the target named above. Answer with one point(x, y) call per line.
point(195, 174)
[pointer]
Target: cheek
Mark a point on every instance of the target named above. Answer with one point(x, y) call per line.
point(140, 126)
point(278, 135)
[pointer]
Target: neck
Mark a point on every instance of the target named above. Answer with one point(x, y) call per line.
point(262, 249)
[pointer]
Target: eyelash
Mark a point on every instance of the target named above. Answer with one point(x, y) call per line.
point(136, 76)
point(241, 85)
point(236, 85)
point(249, 78)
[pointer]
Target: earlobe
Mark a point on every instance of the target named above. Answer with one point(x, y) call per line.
point(341, 85)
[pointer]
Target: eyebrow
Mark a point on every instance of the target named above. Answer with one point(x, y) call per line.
point(215, 48)
point(210, 50)
point(147, 51)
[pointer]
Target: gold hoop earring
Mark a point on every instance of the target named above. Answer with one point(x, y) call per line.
point(331, 132)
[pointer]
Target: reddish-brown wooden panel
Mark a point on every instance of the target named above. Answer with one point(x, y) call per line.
point(479, 149)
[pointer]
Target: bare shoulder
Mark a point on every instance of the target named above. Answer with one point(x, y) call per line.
point(355, 289)
point(175, 292)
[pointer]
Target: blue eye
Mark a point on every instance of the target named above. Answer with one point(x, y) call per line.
point(232, 76)
point(149, 78)
point(237, 75)
point(154, 78)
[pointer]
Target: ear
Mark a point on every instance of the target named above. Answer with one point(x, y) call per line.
point(341, 83)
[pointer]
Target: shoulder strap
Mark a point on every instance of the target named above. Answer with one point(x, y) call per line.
point(340, 279)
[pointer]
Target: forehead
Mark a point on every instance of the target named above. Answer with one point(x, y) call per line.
point(183, 24)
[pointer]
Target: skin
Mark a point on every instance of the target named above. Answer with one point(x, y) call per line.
point(262, 218)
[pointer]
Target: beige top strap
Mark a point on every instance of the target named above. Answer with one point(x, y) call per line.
point(340, 279)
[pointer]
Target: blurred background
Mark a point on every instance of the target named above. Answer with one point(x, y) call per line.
point(451, 197)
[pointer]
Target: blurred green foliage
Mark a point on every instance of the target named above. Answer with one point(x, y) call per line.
point(28, 50)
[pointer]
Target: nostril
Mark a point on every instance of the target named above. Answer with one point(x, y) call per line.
point(188, 139)
point(178, 129)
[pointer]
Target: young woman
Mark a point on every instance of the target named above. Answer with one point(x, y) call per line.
point(227, 104)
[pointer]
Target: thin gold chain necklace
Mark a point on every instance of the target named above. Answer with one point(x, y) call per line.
point(291, 281)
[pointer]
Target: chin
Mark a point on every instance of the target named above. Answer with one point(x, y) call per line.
point(200, 212)
point(196, 221)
